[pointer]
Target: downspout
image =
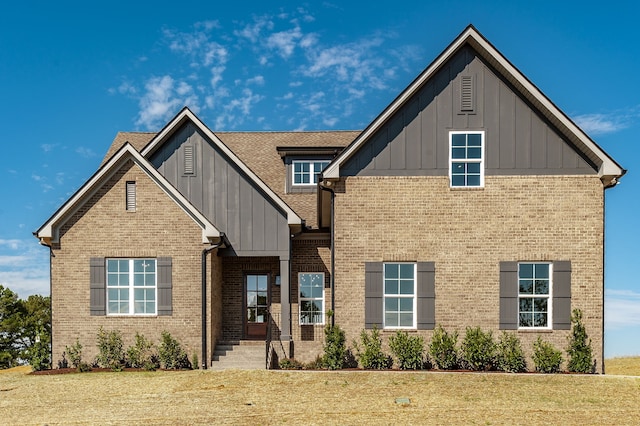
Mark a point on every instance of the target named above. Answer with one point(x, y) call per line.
point(331, 249)
point(205, 252)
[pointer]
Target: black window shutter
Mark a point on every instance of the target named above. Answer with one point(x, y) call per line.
point(373, 294)
point(562, 295)
point(164, 286)
point(97, 290)
point(426, 302)
point(508, 295)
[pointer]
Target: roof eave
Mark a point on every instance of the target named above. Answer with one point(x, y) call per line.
point(48, 232)
point(607, 166)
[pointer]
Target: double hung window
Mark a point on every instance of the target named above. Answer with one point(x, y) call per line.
point(399, 295)
point(131, 287)
point(311, 301)
point(466, 154)
point(534, 295)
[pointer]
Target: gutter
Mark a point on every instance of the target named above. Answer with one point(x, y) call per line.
point(332, 250)
point(223, 242)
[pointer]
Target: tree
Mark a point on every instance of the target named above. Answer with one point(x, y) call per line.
point(11, 313)
point(25, 330)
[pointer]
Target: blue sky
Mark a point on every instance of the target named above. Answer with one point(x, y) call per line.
point(72, 74)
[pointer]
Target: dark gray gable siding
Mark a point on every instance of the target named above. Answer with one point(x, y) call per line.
point(415, 141)
point(224, 194)
point(561, 289)
point(374, 295)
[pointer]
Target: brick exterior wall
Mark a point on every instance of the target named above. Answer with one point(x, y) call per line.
point(103, 228)
point(309, 255)
point(233, 291)
point(467, 232)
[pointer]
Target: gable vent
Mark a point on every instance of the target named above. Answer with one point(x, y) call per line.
point(131, 196)
point(466, 93)
point(188, 160)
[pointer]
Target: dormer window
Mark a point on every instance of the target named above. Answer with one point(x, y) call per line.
point(306, 172)
point(304, 165)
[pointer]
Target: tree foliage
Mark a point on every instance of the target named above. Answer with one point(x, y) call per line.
point(579, 350)
point(25, 330)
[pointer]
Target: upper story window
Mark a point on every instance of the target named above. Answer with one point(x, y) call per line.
point(131, 286)
point(534, 295)
point(466, 155)
point(399, 295)
point(306, 172)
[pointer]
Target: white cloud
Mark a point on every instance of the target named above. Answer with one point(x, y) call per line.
point(24, 267)
point(598, 124)
point(622, 309)
point(284, 42)
point(85, 152)
point(212, 65)
point(12, 244)
point(162, 99)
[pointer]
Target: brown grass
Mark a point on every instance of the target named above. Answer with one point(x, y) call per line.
point(347, 397)
point(626, 366)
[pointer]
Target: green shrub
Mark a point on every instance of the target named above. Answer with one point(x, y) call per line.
point(478, 349)
point(408, 350)
point(579, 350)
point(335, 350)
point(443, 349)
point(110, 350)
point(546, 358)
point(171, 354)
point(195, 362)
point(142, 354)
point(290, 364)
point(38, 355)
point(372, 357)
point(75, 353)
point(509, 354)
point(75, 356)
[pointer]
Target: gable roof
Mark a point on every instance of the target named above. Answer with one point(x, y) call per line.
point(49, 231)
point(261, 151)
point(187, 115)
point(608, 170)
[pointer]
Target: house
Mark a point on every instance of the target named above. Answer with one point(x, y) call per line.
point(471, 200)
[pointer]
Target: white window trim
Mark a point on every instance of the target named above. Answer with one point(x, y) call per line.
point(414, 296)
point(481, 161)
point(131, 288)
point(532, 296)
point(311, 171)
point(300, 299)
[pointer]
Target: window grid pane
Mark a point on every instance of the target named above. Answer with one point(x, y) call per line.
point(534, 287)
point(131, 286)
point(466, 159)
point(311, 301)
point(307, 172)
point(399, 295)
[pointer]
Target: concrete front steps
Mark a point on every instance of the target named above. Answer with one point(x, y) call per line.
point(243, 354)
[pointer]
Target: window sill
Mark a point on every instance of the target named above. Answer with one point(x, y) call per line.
point(535, 330)
point(466, 188)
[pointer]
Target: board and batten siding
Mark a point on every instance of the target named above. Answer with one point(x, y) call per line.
point(518, 140)
point(223, 193)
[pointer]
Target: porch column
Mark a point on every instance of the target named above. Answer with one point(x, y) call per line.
point(285, 302)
